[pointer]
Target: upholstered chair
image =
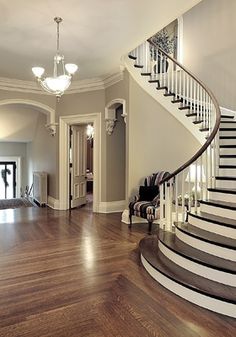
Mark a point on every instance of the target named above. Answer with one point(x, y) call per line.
point(147, 204)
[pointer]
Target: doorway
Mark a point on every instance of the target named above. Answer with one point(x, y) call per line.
point(7, 179)
point(64, 157)
point(81, 165)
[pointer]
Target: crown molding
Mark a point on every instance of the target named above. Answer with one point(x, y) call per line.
point(91, 84)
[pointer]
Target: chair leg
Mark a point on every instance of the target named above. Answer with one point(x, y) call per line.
point(130, 220)
point(150, 227)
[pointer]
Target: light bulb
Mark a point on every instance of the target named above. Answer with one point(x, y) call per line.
point(71, 68)
point(38, 71)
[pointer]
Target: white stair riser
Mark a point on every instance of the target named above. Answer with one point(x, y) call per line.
point(226, 172)
point(227, 125)
point(210, 248)
point(228, 161)
point(227, 132)
point(197, 268)
point(228, 151)
point(227, 141)
point(222, 196)
point(223, 212)
point(190, 295)
point(226, 184)
point(212, 227)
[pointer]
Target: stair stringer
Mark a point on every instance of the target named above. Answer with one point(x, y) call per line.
point(164, 101)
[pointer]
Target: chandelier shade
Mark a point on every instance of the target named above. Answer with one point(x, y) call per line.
point(62, 74)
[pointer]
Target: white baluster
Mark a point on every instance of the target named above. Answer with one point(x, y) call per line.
point(176, 199)
point(182, 197)
point(162, 202)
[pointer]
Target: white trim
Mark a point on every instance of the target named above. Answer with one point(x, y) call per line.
point(53, 203)
point(112, 206)
point(220, 211)
point(64, 124)
point(213, 304)
point(17, 160)
point(212, 227)
point(207, 247)
point(197, 268)
point(92, 84)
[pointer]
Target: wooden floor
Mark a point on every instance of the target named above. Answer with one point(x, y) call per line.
point(79, 274)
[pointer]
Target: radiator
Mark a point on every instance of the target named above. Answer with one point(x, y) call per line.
point(40, 192)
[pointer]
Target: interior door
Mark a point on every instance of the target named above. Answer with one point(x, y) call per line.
point(78, 165)
point(7, 180)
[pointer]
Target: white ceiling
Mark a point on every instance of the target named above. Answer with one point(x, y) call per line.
point(94, 33)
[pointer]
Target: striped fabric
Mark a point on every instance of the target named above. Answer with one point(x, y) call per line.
point(148, 209)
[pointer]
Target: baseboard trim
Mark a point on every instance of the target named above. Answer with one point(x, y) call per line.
point(53, 203)
point(112, 206)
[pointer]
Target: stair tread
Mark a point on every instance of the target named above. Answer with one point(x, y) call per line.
point(149, 249)
point(230, 146)
point(204, 129)
point(228, 166)
point(227, 156)
point(146, 74)
point(214, 218)
point(222, 190)
point(219, 203)
point(227, 116)
point(191, 114)
point(179, 100)
point(132, 57)
point(230, 122)
point(227, 137)
point(206, 236)
point(225, 178)
point(153, 81)
point(186, 107)
point(227, 129)
point(170, 240)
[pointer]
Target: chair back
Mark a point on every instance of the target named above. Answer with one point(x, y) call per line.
point(155, 178)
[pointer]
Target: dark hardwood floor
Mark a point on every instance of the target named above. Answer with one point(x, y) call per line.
point(79, 274)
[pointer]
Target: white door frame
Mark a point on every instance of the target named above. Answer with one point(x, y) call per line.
point(64, 124)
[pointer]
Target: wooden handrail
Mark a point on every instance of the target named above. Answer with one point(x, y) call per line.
point(217, 122)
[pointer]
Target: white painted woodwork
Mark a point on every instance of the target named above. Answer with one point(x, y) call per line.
point(229, 141)
point(229, 184)
point(228, 151)
point(78, 160)
point(218, 211)
point(227, 172)
point(198, 268)
point(210, 248)
point(221, 196)
point(212, 227)
point(190, 295)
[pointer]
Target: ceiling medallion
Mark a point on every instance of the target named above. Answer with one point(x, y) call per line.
point(62, 73)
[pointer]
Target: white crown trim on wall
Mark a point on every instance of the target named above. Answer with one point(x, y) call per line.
point(76, 87)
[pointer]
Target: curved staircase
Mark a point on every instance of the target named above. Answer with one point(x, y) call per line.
point(194, 252)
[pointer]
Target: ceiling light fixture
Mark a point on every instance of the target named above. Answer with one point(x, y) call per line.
point(62, 73)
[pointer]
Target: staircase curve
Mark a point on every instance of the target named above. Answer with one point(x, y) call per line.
point(194, 251)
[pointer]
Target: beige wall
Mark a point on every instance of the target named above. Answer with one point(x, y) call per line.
point(13, 149)
point(157, 141)
point(210, 49)
point(42, 156)
point(115, 163)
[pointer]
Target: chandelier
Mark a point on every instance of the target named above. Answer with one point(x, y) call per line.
point(62, 73)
